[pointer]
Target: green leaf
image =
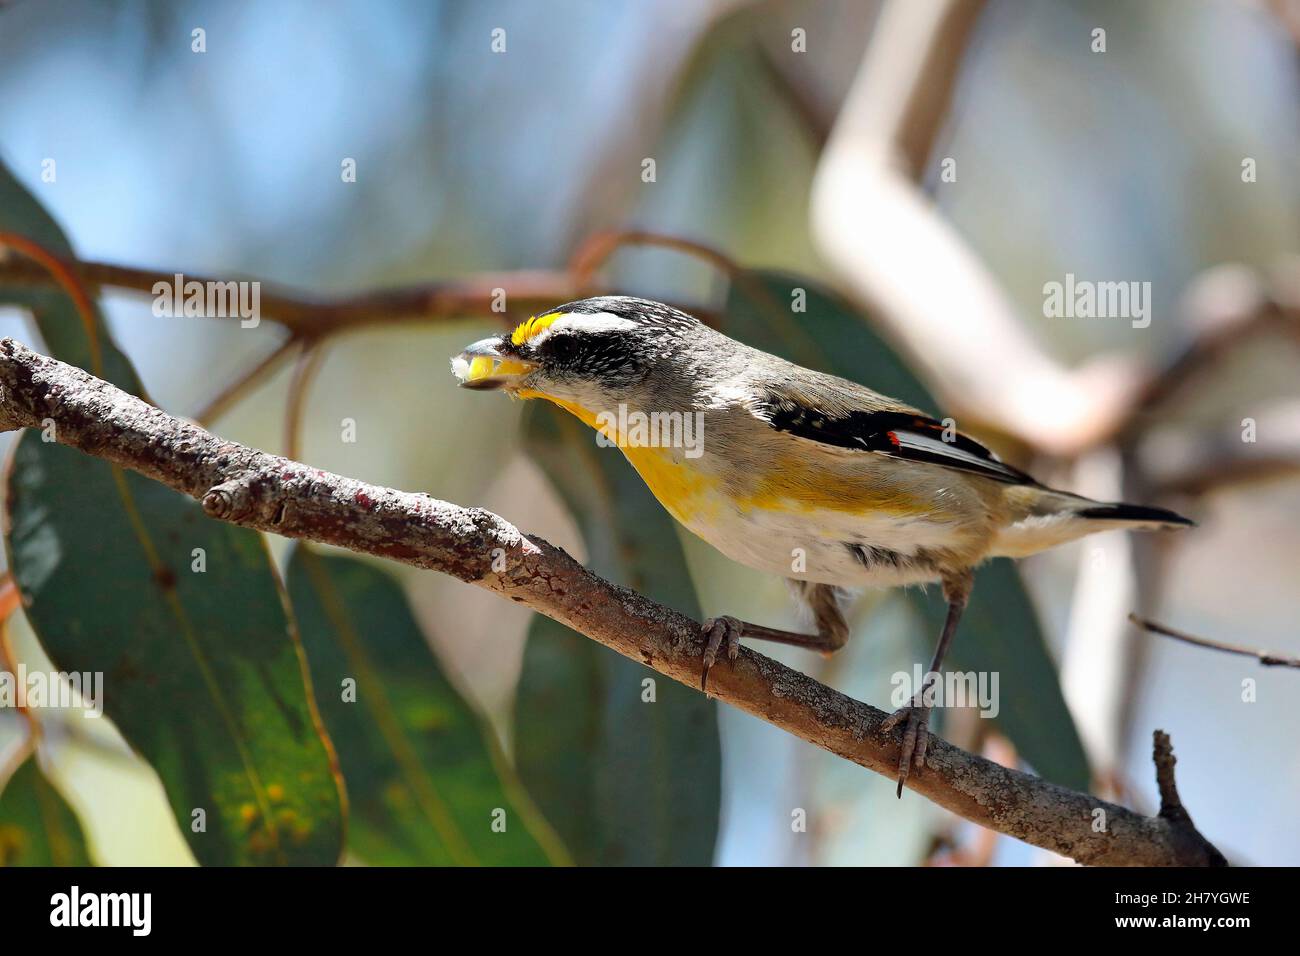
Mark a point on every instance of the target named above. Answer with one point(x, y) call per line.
point(202, 672)
point(623, 780)
point(37, 827)
point(425, 776)
point(999, 629)
point(56, 316)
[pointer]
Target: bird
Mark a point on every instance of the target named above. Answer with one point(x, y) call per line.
point(789, 470)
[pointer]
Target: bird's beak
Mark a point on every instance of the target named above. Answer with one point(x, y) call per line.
point(482, 366)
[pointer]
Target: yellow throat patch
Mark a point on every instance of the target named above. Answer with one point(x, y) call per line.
point(685, 493)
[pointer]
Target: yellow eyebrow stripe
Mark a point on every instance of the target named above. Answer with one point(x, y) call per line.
point(533, 327)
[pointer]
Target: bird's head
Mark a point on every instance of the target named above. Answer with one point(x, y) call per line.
point(590, 354)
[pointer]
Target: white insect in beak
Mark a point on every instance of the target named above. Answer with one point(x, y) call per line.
point(481, 366)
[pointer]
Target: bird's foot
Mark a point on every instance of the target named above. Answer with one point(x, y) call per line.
point(915, 721)
point(717, 631)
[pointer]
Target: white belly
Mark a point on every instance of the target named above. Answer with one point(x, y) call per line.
point(844, 550)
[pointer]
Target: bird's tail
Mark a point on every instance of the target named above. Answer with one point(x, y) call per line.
point(1041, 518)
point(1126, 515)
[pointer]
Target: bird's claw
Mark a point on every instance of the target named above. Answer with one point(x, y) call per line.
point(916, 739)
point(716, 631)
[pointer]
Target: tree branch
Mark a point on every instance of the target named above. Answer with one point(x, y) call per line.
point(312, 317)
point(269, 493)
point(246, 381)
point(1226, 307)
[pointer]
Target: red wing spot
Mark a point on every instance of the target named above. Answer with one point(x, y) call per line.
point(363, 499)
point(892, 437)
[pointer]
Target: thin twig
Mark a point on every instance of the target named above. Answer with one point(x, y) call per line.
point(247, 380)
point(596, 250)
point(304, 373)
point(1267, 658)
point(1203, 353)
point(1224, 472)
point(10, 600)
point(56, 270)
point(269, 493)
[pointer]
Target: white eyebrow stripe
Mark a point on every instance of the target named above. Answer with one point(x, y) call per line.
point(593, 322)
point(582, 322)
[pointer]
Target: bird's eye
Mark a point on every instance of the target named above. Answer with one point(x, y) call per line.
point(560, 348)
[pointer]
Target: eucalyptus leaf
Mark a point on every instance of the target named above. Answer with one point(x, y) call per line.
point(37, 827)
point(202, 672)
point(183, 615)
point(427, 782)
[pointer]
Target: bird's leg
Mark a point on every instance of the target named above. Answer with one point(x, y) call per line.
point(832, 629)
point(915, 717)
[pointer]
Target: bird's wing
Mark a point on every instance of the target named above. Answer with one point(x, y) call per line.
point(845, 417)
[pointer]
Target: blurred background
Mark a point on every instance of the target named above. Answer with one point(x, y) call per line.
point(807, 136)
